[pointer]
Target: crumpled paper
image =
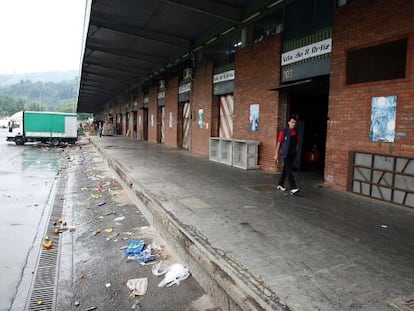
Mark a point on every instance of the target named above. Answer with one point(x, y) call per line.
point(138, 286)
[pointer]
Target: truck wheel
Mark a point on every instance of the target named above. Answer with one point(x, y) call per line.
point(55, 142)
point(19, 141)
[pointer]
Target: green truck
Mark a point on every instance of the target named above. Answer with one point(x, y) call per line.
point(45, 127)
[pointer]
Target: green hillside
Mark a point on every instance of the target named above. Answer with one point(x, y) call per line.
point(44, 96)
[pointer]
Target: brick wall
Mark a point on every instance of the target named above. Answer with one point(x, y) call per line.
point(356, 25)
point(153, 114)
point(202, 98)
point(171, 106)
point(257, 70)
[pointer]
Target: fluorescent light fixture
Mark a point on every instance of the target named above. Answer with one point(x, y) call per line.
point(177, 61)
point(185, 55)
point(251, 17)
point(211, 40)
point(169, 65)
point(228, 30)
point(198, 48)
point(274, 4)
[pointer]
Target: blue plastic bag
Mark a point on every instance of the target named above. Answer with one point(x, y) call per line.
point(134, 247)
point(144, 256)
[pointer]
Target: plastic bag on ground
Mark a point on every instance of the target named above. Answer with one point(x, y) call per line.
point(156, 269)
point(134, 247)
point(143, 257)
point(174, 274)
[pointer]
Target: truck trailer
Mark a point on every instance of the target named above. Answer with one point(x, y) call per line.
point(45, 127)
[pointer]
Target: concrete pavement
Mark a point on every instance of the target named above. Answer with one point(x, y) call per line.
point(253, 248)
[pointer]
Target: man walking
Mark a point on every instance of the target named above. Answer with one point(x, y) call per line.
point(100, 129)
point(287, 144)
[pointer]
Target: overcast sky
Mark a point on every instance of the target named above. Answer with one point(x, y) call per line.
point(40, 35)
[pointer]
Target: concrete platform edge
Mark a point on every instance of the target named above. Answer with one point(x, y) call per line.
point(230, 285)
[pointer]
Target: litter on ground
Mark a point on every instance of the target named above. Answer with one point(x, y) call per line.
point(134, 247)
point(174, 274)
point(138, 286)
point(135, 251)
point(143, 257)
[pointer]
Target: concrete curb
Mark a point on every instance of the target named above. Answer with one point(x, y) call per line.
point(231, 286)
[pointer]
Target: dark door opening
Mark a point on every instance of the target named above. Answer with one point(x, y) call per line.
point(134, 131)
point(310, 104)
point(118, 125)
point(180, 122)
point(145, 124)
point(161, 124)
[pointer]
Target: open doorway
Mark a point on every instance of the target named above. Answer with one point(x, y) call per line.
point(135, 124)
point(161, 124)
point(310, 104)
point(145, 124)
point(118, 125)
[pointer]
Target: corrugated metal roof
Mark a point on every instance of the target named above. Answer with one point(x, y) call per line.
point(127, 41)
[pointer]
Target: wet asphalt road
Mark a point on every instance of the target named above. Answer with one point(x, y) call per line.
point(27, 176)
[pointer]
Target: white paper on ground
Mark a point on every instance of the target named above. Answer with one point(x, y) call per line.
point(138, 286)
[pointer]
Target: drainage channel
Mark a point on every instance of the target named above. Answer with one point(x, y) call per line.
point(43, 294)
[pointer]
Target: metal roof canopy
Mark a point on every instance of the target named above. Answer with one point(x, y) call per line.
point(127, 41)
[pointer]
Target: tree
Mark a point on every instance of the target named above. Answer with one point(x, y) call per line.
point(10, 105)
point(84, 116)
point(66, 105)
point(32, 107)
point(47, 95)
point(35, 96)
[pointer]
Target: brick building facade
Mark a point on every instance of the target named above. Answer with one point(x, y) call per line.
point(358, 25)
point(335, 112)
point(257, 70)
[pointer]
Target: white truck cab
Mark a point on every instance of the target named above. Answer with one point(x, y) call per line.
point(15, 125)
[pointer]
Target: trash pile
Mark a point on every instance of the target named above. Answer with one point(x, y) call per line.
point(102, 200)
point(145, 254)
